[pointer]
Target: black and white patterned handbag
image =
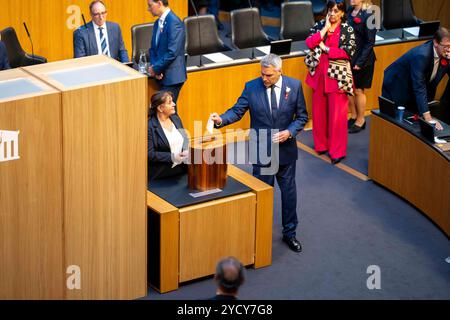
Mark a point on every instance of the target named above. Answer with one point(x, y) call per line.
point(341, 70)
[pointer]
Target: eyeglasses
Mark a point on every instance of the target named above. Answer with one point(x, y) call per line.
point(334, 11)
point(445, 47)
point(100, 14)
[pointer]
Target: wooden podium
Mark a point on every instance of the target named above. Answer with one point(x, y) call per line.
point(77, 195)
point(207, 167)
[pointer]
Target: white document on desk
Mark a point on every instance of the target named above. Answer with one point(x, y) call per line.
point(264, 49)
point(378, 38)
point(414, 31)
point(218, 57)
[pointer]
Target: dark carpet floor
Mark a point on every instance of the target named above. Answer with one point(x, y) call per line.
point(357, 148)
point(346, 225)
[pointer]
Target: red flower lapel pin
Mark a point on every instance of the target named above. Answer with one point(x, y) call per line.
point(357, 20)
point(444, 62)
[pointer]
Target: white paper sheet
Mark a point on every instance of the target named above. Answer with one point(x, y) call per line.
point(218, 57)
point(378, 38)
point(265, 49)
point(414, 31)
point(210, 125)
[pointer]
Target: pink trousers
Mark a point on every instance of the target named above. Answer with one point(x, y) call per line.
point(330, 130)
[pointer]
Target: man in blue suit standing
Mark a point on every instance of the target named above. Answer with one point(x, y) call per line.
point(99, 36)
point(276, 104)
point(4, 64)
point(412, 80)
point(167, 51)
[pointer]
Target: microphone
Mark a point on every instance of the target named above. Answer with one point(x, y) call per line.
point(31, 41)
point(253, 30)
point(199, 32)
point(82, 16)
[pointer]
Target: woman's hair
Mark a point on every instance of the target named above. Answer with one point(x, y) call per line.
point(158, 99)
point(340, 5)
point(366, 4)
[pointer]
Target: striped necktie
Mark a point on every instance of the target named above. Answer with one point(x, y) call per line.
point(103, 43)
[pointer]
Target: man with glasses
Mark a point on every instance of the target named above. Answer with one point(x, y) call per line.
point(99, 36)
point(412, 80)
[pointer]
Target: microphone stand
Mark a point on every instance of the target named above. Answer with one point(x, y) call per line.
point(199, 33)
point(253, 31)
point(85, 25)
point(31, 41)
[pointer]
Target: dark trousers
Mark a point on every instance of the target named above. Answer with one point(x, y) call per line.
point(175, 89)
point(286, 181)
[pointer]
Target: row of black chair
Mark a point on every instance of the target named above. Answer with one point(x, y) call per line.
point(297, 17)
point(17, 57)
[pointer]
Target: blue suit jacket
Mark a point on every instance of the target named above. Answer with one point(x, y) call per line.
point(407, 80)
point(292, 115)
point(4, 64)
point(168, 56)
point(85, 44)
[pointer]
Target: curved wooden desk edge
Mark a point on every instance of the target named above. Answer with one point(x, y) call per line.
point(412, 169)
point(264, 214)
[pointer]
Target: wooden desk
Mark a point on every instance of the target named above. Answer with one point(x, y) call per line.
point(77, 195)
point(188, 242)
point(412, 168)
point(31, 221)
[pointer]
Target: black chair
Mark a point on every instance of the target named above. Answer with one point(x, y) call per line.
point(297, 19)
point(141, 39)
point(16, 55)
point(209, 41)
point(398, 14)
point(318, 6)
point(242, 35)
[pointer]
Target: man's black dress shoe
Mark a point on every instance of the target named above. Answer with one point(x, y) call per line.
point(321, 152)
point(337, 160)
point(355, 128)
point(293, 244)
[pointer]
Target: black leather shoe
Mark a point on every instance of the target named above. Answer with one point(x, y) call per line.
point(321, 152)
point(293, 244)
point(337, 160)
point(350, 122)
point(355, 128)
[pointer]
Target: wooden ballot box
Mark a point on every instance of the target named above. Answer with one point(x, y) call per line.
point(83, 180)
point(207, 168)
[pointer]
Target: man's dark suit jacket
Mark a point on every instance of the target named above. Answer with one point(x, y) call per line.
point(167, 57)
point(4, 64)
point(159, 155)
point(85, 43)
point(407, 80)
point(292, 115)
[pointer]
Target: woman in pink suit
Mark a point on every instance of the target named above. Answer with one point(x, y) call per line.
point(332, 44)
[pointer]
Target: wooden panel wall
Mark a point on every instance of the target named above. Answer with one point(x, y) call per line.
point(52, 22)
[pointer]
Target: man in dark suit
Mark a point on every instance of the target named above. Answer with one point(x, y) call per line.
point(412, 80)
point(99, 36)
point(4, 64)
point(276, 104)
point(167, 50)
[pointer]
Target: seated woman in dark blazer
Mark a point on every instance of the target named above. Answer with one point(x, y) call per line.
point(167, 141)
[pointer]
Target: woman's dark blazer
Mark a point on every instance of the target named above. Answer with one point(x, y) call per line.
point(365, 39)
point(159, 155)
